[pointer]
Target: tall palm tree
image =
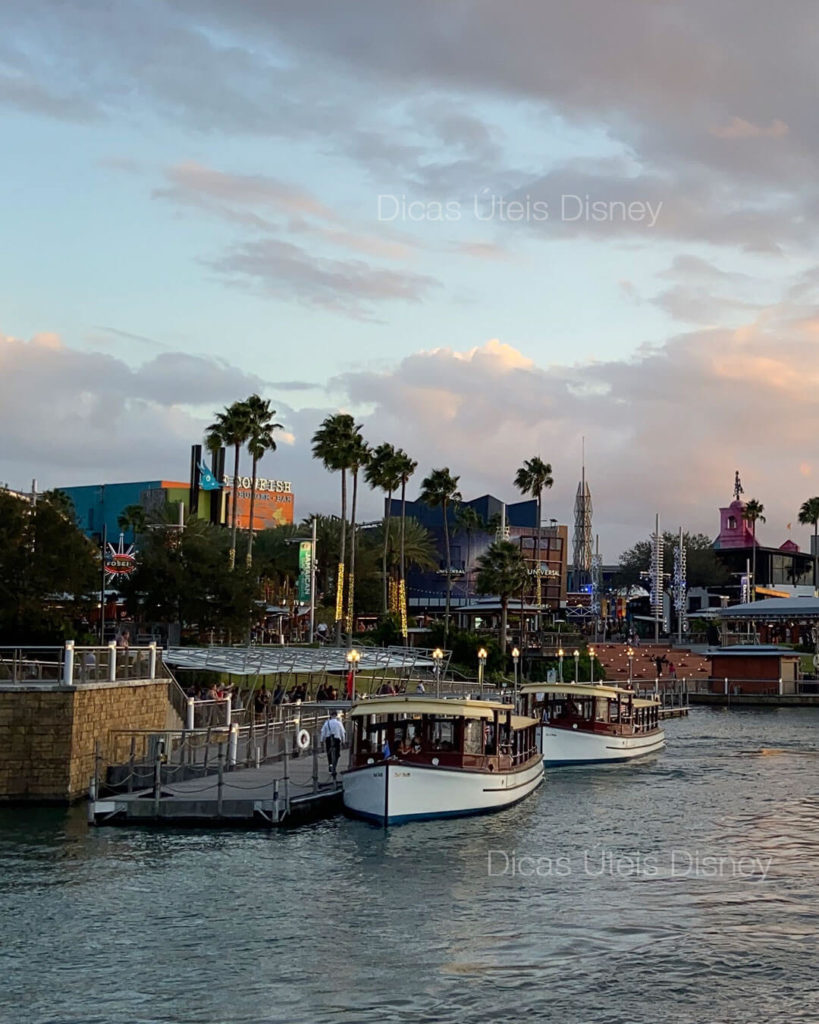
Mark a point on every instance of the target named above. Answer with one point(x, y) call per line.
point(406, 467)
point(501, 571)
point(260, 440)
point(359, 456)
point(809, 513)
point(752, 513)
point(132, 518)
point(231, 428)
point(331, 443)
point(384, 471)
point(532, 478)
point(469, 521)
point(440, 489)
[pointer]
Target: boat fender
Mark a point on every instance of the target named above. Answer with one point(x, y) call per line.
point(302, 739)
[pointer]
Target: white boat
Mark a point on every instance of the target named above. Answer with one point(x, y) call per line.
point(588, 723)
point(417, 757)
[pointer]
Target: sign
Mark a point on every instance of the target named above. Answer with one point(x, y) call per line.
point(305, 566)
point(118, 561)
point(262, 484)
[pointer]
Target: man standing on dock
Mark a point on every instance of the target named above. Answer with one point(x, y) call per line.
point(333, 735)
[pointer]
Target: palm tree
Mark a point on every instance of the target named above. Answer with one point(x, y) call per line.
point(231, 428)
point(809, 513)
point(752, 513)
point(331, 443)
point(501, 571)
point(384, 471)
point(419, 546)
point(132, 518)
point(359, 456)
point(469, 521)
point(406, 467)
point(260, 440)
point(441, 489)
point(532, 477)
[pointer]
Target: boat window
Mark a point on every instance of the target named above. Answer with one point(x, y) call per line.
point(473, 736)
point(443, 735)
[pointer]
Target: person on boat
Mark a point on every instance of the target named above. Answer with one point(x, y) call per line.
point(404, 746)
point(332, 735)
point(416, 744)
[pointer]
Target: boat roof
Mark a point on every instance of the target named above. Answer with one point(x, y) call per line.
point(578, 689)
point(458, 708)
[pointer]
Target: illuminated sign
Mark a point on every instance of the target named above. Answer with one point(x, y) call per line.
point(119, 561)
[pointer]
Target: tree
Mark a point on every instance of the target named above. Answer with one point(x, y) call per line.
point(132, 518)
point(809, 514)
point(180, 577)
point(532, 477)
point(260, 440)
point(49, 570)
point(440, 489)
point(406, 467)
point(470, 522)
point(384, 471)
point(231, 428)
point(501, 571)
point(359, 456)
point(332, 444)
point(752, 513)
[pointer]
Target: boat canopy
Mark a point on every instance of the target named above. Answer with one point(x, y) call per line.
point(577, 689)
point(414, 705)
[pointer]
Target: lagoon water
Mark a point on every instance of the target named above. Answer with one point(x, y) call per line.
point(685, 889)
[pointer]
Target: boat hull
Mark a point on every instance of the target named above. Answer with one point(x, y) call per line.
point(562, 747)
point(417, 792)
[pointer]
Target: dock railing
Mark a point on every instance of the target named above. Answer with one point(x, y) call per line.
point(138, 757)
point(70, 665)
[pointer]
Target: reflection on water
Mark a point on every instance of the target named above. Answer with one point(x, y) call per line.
point(683, 889)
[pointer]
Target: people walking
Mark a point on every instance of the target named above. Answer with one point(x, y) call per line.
point(332, 736)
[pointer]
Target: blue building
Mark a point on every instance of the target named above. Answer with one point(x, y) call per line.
point(99, 506)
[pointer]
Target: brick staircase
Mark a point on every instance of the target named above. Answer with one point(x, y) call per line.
point(614, 659)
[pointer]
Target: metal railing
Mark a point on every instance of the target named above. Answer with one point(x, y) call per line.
point(69, 665)
point(136, 758)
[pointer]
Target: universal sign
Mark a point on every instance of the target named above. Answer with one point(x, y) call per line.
point(262, 484)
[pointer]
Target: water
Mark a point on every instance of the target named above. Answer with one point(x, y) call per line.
point(343, 922)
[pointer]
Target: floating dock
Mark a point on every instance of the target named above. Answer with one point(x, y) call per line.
point(268, 796)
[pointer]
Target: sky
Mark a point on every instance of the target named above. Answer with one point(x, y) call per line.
point(487, 230)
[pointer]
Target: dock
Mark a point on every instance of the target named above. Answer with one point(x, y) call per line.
point(267, 796)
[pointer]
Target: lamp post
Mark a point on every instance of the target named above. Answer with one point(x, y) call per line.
point(591, 664)
point(515, 660)
point(630, 655)
point(481, 666)
point(437, 658)
point(353, 658)
point(576, 663)
point(560, 665)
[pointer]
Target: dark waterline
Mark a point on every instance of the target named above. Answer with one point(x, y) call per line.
point(343, 922)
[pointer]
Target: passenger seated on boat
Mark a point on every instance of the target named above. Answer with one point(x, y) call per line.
point(416, 744)
point(404, 746)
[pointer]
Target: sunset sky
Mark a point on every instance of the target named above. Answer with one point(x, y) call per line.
point(381, 207)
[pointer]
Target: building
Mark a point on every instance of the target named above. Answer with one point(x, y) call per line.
point(99, 506)
point(755, 669)
point(426, 590)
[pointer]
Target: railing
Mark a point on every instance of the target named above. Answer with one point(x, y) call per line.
point(70, 665)
point(727, 687)
point(137, 758)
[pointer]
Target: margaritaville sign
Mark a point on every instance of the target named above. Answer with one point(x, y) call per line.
point(262, 484)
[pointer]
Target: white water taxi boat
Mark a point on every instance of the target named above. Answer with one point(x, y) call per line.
point(425, 757)
point(589, 723)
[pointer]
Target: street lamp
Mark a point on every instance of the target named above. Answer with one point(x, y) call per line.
point(437, 658)
point(560, 665)
point(481, 666)
point(630, 654)
point(515, 660)
point(591, 664)
point(353, 658)
point(576, 663)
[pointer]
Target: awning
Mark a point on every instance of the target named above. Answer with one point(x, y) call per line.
point(262, 661)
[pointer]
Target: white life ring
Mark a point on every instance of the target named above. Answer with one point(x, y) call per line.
point(302, 739)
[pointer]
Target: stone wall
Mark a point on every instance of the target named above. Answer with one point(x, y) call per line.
point(48, 733)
